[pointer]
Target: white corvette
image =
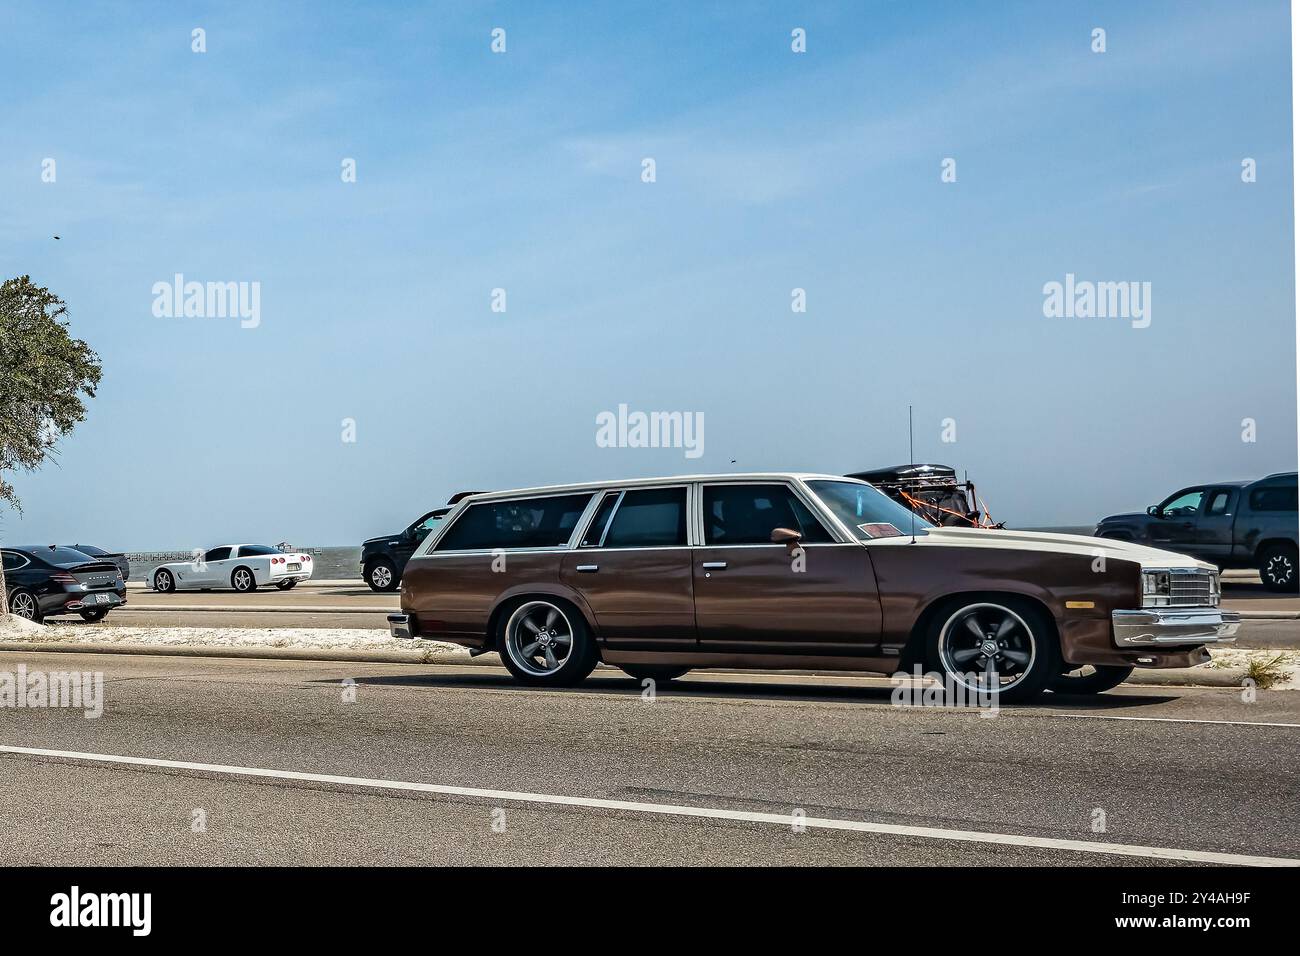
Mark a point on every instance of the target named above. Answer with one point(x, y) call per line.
point(244, 567)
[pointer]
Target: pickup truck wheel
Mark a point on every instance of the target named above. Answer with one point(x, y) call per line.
point(545, 642)
point(242, 580)
point(1090, 679)
point(659, 673)
point(1001, 645)
point(381, 576)
point(23, 603)
point(1278, 567)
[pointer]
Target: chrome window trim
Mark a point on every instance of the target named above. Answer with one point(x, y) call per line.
point(622, 491)
point(430, 544)
point(600, 501)
point(791, 485)
point(471, 552)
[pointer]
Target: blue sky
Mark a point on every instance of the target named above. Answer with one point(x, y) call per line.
point(522, 171)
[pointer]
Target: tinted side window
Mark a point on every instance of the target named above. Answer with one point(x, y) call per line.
point(217, 554)
point(747, 514)
point(12, 562)
point(1276, 498)
point(651, 518)
point(599, 521)
point(1219, 501)
point(520, 523)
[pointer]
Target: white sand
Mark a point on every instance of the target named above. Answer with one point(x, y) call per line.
point(315, 638)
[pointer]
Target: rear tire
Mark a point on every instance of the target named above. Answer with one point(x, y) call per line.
point(95, 616)
point(1278, 568)
point(1078, 681)
point(243, 580)
point(545, 642)
point(382, 576)
point(659, 673)
point(23, 603)
point(1017, 635)
point(163, 582)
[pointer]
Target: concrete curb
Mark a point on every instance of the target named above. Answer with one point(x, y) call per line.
point(439, 654)
point(256, 609)
point(445, 655)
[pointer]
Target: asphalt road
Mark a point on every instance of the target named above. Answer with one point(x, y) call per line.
point(600, 775)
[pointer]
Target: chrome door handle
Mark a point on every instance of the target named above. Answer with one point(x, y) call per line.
point(589, 568)
point(714, 565)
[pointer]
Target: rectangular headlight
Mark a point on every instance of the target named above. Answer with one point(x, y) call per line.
point(1155, 588)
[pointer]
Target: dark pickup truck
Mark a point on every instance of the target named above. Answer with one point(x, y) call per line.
point(1234, 524)
point(383, 559)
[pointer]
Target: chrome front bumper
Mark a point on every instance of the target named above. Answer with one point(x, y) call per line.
point(1174, 625)
point(399, 625)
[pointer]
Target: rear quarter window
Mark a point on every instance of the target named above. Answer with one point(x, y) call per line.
point(517, 523)
point(1276, 498)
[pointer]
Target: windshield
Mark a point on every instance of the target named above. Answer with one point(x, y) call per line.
point(867, 512)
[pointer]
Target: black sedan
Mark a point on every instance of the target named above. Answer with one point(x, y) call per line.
point(49, 580)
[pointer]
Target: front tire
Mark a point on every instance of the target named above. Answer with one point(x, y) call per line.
point(95, 616)
point(382, 576)
point(243, 581)
point(23, 603)
point(163, 582)
point(1002, 646)
point(1094, 679)
point(546, 642)
point(1278, 568)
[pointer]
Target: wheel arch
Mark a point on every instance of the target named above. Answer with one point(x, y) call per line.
point(914, 650)
point(513, 596)
point(1267, 543)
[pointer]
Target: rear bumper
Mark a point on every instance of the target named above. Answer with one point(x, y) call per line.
point(1173, 626)
point(402, 625)
point(72, 602)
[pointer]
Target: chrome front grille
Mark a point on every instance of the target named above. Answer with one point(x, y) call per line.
point(1193, 588)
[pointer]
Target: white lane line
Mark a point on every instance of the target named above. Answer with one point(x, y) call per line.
point(668, 809)
point(1171, 720)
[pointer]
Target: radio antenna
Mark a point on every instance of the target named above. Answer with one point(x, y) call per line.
point(911, 460)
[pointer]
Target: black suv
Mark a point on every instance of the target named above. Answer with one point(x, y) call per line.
point(48, 580)
point(1234, 524)
point(384, 559)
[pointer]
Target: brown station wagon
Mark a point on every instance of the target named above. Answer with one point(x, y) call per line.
point(783, 570)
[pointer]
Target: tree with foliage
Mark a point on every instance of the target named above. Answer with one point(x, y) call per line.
point(43, 373)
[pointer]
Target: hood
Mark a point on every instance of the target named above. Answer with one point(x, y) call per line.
point(1131, 516)
point(1061, 544)
point(382, 539)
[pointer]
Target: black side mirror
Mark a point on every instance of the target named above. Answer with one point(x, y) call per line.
point(1155, 512)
